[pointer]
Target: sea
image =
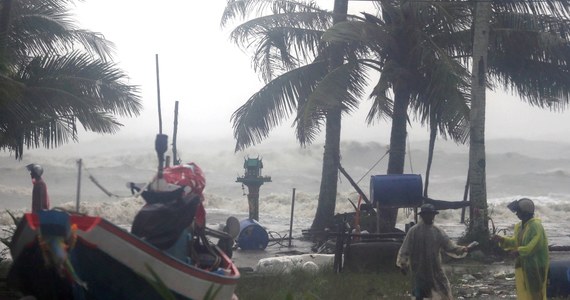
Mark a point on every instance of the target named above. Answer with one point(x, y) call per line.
point(539, 170)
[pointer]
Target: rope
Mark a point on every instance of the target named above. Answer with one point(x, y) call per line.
point(381, 158)
point(107, 192)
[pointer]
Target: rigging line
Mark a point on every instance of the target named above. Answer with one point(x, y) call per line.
point(381, 158)
point(101, 187)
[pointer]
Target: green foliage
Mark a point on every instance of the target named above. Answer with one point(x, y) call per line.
point(159, 285)
point(55, 76)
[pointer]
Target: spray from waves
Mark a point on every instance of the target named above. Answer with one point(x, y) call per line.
point(550, 208)
point(540, 177)
point(275, 210)
point(120, 212)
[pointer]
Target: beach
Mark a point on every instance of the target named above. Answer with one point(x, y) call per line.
point(516, 169)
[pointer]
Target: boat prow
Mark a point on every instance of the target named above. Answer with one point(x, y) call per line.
point(104, 261)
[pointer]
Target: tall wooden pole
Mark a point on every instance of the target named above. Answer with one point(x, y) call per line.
point(158, 95)
point(291, 220)
point(78, 195)
point(161, 141)
point(174, 154)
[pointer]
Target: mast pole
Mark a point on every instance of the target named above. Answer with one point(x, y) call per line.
point(161, 141)
point(175, 159)
point(158, 95)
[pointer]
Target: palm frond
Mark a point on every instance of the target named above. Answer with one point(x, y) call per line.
point(47, 28)
point(341, 88)
point(239, 10)
point(54, 93)
point(276, 101)
point(280, 42)
point(530, 56)
point(556, 8)
point(382, 105)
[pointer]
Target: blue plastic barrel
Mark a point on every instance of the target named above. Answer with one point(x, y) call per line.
point(252, 236)
point(559, 279)
point(397, 190)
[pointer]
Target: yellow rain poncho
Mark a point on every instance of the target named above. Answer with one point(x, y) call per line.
point(421, 252)
point(531, 266)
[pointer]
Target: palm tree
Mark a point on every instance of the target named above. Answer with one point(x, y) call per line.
point(410, 43)
point(528, 54)
point(54, 76)
point(478, 223)
point(527, 51)
point(293, 62)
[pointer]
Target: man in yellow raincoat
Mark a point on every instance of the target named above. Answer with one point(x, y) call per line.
point(530, 247)
point(420, 252)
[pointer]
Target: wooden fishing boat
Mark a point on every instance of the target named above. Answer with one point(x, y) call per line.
point(61, 255)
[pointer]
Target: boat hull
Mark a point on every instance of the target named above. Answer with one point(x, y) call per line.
point(113, 264)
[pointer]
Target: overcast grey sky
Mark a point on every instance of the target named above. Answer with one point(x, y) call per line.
point(211, 77)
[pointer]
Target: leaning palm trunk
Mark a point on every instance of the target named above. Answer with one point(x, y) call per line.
point(431, 147)
point(397, 157)
point(329, 178)
point(331, 156)
point(478, 225)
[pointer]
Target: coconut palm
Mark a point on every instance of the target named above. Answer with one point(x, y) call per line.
point(292, 60)
point(54, 76)
point(528, 53)
point(410, 43)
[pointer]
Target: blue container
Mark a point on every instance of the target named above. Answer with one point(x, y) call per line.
point(396, 191)
point(559, 279)
point(54, 223)
point(252, 236)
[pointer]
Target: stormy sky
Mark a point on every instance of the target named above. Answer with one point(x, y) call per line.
point(211, 77)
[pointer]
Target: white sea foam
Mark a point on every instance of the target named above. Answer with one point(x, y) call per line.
point(511, 174)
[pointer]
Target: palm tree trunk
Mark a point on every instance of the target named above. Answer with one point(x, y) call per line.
point(331, 157)
point(329, 178)
point(479, 223)
point(431, 147)
point(397, 158)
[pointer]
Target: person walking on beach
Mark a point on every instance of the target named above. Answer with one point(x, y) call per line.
point(530, 247)
point(420, 253)
point(40, 199)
